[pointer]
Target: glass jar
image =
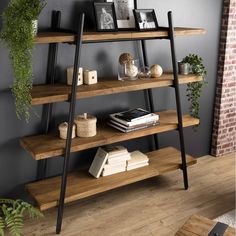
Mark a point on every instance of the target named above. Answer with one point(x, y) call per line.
point(128, 71)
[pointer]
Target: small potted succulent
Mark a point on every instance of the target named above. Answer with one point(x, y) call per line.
point(12, 213)
point(19, 29)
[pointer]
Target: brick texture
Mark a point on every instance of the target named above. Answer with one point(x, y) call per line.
point(224, 127)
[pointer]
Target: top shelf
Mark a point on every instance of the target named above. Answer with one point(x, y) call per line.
point(93, 37)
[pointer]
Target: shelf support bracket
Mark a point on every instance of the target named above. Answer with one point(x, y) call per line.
point(70, 122)
point(178, 103)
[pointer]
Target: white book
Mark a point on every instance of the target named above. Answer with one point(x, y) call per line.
point(137, 157)
point(115, 151)
point(152, 118)
point(106, 173)
point(98, 163)
point(118, 159)
point(108, 167)
point(136, 166)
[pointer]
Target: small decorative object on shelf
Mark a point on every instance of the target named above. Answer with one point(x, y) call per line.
point(86, 125)
point(125, 58)
point(146, 19)
point(63, 129)
point(128, 70)
point(156, 71)
point(105, 16)
point(90, 77)
point(184, 68)
point(144, 73)
point(70, 76)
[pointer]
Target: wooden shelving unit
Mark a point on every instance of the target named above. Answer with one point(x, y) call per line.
point(67, 188)
point(91, 37)
point(81, 185)
point(44, 94)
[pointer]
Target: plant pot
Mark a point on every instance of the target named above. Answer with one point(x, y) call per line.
point(35, 27)
point(184, 68)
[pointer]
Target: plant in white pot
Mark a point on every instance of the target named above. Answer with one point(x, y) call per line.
point(19, 21)
point(12, 213)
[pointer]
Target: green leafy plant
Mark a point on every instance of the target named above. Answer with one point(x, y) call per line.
point(194, 90)
point(18, 35)
point(12, 213)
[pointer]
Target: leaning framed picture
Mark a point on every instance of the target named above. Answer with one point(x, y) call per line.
point(124, 13)
point(105, 16)
point(146, 19)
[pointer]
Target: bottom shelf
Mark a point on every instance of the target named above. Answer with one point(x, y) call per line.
point(81, 184)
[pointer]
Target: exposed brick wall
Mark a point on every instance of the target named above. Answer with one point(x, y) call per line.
point(224, 127)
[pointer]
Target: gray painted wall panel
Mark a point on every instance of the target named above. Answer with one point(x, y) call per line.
point(17, 167)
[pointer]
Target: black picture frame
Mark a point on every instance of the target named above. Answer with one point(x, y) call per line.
point(109, 9)
point(125, 21)
point(146, 19)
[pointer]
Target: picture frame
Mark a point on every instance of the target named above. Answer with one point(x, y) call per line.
point(146, 19)
point(125, 14)
point(105, 16)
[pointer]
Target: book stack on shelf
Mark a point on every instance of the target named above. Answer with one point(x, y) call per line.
point(138, 160)
point(133, 120)
point(109, 161)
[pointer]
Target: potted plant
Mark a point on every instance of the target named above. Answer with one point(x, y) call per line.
point(19, 21)
point(12, 213)
point(194, 89)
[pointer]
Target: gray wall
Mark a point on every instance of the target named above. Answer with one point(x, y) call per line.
point(16, 165)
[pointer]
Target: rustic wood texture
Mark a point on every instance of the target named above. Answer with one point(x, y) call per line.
point(48, 146)
point(43, 94)
point(155, 207)
point(60, 37)
point(82, 184)
point(201, 226)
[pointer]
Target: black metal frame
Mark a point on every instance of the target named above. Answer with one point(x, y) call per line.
point(51, 77)
point(70, 122)
point(178, 102)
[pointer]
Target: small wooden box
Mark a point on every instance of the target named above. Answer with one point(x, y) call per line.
point(90, 77)
point(70, 76)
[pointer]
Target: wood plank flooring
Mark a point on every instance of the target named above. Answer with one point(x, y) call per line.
point(158, 206)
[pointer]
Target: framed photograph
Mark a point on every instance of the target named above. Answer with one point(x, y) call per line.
point(124, 13)
point(146, 19)
point(105, 16)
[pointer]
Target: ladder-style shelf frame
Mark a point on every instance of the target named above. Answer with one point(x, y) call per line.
point(72, 93)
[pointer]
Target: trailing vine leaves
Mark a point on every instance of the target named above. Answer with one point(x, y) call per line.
point(17, 33)
point(194, 90)
point(12, 213)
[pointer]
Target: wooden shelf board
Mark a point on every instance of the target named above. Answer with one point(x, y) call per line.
point(61, 37)
point(44, 94)
point(48, 146)
point(81, 185)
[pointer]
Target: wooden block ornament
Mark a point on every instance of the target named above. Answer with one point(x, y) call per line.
point(70, 76)
point(90, 77)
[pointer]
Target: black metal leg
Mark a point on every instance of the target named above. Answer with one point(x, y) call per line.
point(149, 91)
point(51, 73)
point(70, 122)
point(178, 103)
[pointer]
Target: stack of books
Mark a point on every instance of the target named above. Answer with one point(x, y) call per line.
point(132, 120)
point(109, 161)
point(138, 160)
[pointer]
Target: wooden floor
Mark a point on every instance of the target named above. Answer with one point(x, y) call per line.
point(158, 206)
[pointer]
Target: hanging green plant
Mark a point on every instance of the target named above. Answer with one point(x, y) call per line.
point(12, 213)
point(18, 35)
point(194, 90)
